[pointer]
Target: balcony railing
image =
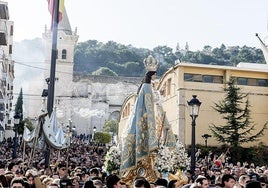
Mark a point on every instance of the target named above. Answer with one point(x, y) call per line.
point(3, 32)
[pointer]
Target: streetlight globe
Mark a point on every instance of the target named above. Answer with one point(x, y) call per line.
point(206, 136)
point(194, 105)
point(16, 119)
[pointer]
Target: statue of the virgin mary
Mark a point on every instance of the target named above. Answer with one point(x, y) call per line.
point(140, 139)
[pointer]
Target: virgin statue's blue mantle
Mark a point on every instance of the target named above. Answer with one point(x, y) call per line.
point(139, 137)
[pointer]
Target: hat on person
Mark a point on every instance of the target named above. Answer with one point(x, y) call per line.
point(161, 182)
point(253, 184)
point(111, 180)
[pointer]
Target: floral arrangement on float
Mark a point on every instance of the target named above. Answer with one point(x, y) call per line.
point(112, 160)
point(170, 160)
point(180, 158)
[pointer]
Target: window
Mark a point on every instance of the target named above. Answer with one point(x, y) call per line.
point(252, 82)
point(126, 111)
point(4, 12)
point(242, 81)
point(208, 78)
point(197, 78)
point(203, 78)
point(188, 77)
point(11, 30)
point(169, 86)
point(64, 54)
point(10, 49)
point(262, 82)
point(163, 90)
point(218, 79)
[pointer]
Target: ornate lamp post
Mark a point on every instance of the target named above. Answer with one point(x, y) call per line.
point(71, 129)
point(16, 124)
point(206, 136)
point(94, 130)
point(194, 105)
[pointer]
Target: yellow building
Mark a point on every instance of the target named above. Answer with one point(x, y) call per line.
point(183, 80)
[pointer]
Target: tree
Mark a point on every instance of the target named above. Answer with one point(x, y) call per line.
point(102, 138)
point(91, 55)
point(19, 111)
point(238, 128)
point(111, 126)
point(19, 104)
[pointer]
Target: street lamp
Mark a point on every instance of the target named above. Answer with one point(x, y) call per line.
point(194, 105)
point(71, 129)
point(206, 136)
point(16, 123)
point(94, 130)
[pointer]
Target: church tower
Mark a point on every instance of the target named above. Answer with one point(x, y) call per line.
point(66, 42)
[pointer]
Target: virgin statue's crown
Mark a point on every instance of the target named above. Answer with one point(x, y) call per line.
point(150, 63)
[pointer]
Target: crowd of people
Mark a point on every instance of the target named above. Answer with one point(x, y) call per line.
point(81, 165)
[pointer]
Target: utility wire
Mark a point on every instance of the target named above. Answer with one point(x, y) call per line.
point(41, 68)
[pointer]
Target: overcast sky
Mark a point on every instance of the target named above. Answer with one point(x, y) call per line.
point(149, 23)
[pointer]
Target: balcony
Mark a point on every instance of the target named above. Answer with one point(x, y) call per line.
point(3, 32)
point(4, 16)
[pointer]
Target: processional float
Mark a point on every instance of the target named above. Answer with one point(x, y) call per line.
point(145, 129)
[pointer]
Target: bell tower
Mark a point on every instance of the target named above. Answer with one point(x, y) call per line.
point(66, 42)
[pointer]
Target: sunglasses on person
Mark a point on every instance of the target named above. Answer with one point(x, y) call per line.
point(63, 169)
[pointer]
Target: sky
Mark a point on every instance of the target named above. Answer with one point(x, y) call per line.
point(150, 23)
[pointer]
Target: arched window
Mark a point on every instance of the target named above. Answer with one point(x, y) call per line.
point(114, 115)
point(64, 54)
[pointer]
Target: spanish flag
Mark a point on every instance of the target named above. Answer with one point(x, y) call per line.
point(51, 4)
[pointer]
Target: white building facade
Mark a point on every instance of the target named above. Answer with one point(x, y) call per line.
point(6, 70)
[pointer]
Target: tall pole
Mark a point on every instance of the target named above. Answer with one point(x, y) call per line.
point(51, 85)
point(14, 155)
point(194, 105)
point(16, 124)
point(193, 145)
point(50, 97)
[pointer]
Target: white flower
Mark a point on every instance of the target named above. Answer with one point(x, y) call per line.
point(180, 158)
point(163, 160)
point(171, 161)
point(112, 159)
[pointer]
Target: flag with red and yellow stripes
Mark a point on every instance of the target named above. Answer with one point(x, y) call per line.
point(51, 9)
